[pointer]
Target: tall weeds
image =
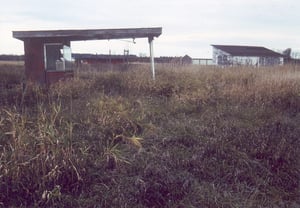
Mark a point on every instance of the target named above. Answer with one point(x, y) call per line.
point(195, 137)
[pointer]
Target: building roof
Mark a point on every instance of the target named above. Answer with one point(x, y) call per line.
point(96, 34)
point(248, 51)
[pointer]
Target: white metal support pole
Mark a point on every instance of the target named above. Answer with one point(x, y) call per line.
point(150, 39)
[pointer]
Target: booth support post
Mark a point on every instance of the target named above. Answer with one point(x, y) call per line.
point(150, 39)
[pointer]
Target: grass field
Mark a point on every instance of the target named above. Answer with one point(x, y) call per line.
point(11, 63)
point(196, 137)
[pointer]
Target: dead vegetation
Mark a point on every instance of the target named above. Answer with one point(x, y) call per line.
point(196, 137)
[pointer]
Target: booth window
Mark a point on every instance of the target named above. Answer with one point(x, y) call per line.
point(58, 57)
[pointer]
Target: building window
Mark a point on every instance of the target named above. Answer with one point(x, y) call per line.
point(58, 57)
point(224, 60)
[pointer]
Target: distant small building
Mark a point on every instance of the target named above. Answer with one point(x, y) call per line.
point(225, 55)
point(104, 58)
point(186, 60)
point(176, 60)
point(128, 58)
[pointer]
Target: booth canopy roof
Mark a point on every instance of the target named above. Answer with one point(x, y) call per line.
point(95, 34)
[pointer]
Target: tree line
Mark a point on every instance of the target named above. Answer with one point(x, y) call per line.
point(5, 57)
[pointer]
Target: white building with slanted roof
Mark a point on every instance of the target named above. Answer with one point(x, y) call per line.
point(228, 55)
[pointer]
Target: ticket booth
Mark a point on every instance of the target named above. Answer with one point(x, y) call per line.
point(47, 61)
point(48, 56)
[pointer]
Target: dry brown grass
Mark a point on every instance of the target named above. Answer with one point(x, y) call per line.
point(196, 137)
point(13, 63)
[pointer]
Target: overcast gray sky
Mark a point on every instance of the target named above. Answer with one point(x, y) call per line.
point(189, 26)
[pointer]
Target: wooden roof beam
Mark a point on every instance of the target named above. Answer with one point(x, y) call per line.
point(96, 34)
